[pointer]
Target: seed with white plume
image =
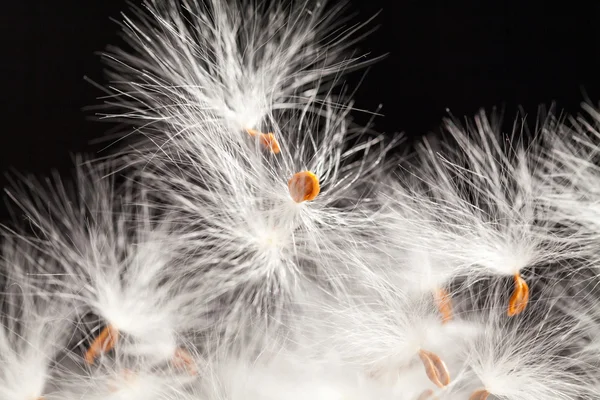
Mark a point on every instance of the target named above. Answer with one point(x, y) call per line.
point(390, 339)
point(256, 228)
point(489, 197)
point(526, 357)
point(111, 261)
point(231, 61)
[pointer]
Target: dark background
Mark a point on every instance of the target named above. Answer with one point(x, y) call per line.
point(442, 55)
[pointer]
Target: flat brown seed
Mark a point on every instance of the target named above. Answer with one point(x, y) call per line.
point(266, 139)
point(427, 395)
point(106, 341)
point(182, 359)
point(304, 186)
point(444, 304)
point(435, 368)
point(480, 394)
point(519, 298)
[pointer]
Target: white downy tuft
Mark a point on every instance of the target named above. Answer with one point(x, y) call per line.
point(34, 328)
point(256, 228)
point(527, 357)
point(488, 192)
point(258, 245)
point(111, 263)
point(233, 62)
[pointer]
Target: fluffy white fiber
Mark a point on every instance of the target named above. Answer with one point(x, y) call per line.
point(252, 242)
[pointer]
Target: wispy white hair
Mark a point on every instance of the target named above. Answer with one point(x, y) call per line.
point(109, 259)
point(488, 193)
point(34, 328)
point(387, 340)
point(124, 377)
point(291, 376)
point(529, 356)
point(251, 246)
point(413, 228)
point(232, 61)
point(573, 187)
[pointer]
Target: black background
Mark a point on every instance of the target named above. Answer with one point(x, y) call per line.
point(461, 56)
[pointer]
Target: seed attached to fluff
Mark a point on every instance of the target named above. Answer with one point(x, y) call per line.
point(480, 394)
point(520, 297)
point(444, 304)
point(183, 360)
point(435, 368)
point(427, 395)
point(128, 376)
point(266, 139)
point(304, 186)
point(106, 341)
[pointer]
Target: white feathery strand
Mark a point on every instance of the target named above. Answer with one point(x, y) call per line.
point(291, 375)
point(412, 230)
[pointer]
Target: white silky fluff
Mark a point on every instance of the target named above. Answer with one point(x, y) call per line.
point(488, 198)
point(249, 246)
point(192, 247)
point(232, 61)
point(109, 260)
point(292, 377)
point(573, 188)
point(532, 356)
point(34, 328)
point(125, 378)
point(381, 336)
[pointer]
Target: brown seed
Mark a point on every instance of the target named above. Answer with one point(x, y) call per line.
point(183, 360)
point(128, 376)
point(520, 297)
point(375, 373)
point(106, 341)
point(435, 368)
point(444, 304)
point(304, 186)
point(266, 139)
point(480, 394)
point(427, 395)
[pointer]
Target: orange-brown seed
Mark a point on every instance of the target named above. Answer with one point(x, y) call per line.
point(520, 297)
point(104, 342)
point(304, 186)
point(182, 359)
point(444, 304)
point(480, 394)
point(266, 139)
point(435, 368)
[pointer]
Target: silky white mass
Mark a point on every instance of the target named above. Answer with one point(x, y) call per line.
point(248, 239)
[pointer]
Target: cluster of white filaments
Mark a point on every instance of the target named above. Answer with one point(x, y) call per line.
point(252, 242)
